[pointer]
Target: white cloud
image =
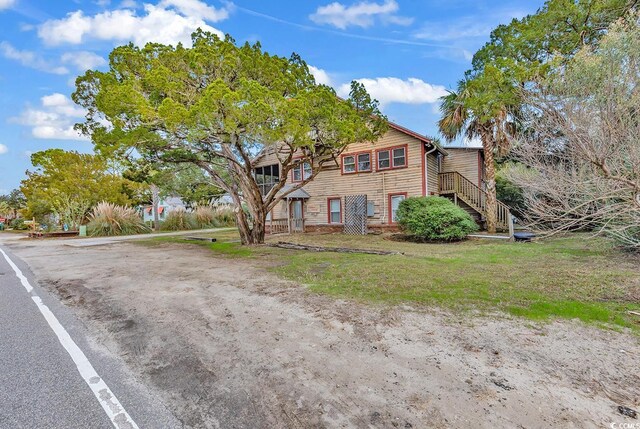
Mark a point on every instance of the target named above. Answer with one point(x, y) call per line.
point(54, 119)
point(196, 8)
point(83, 60)
point(321, 76)
point(467, 28)
point(128, 4)
point(3, 149)
point(363, 14)
point(463, 29)
point(30, 59)
point(168, 22)
point(394, 90)
point(6, 4)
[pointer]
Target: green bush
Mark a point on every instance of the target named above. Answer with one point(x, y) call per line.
point(18, 225)
point(434, 218)
point(111, 219)
point(179, 220)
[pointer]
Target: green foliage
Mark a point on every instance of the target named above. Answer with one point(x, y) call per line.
point(108, 219)
point(65, 181)
point(18, 224)
point(435, 218)
point(559, 28)
point(510, 194)
point(71, 212)
point(179, 220)
point(5, 209)
point(527, 49)
point(192, 185)
point(14, 201)
point(216, 106)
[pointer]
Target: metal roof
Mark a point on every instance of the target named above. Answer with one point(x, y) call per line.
point(298, 193)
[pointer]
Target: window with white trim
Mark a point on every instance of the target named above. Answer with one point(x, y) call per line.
point(364, 162)
point(349, 164)
point(302, 171)
point(395, 201)
point(335, 210)
point(383, 160)
point(395, 157)
point(399, 157)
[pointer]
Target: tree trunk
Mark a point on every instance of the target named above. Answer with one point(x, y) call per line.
point(250, 234)
point(155, 201)
point(490, 180)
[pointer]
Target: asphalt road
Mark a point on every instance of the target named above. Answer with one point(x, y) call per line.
point(54, 375)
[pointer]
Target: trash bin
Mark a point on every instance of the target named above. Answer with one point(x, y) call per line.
point(83, 231)
point(1, 226)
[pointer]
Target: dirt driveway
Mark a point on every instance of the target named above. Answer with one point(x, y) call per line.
point(228, 345)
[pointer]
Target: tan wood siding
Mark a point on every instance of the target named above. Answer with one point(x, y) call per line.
point(464, 161)
point(432, 174)
point(377, 185)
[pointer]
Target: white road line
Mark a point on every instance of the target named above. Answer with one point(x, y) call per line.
point(21, 277)
point(110, 404)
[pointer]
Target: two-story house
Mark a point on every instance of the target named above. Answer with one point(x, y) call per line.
point(399, 165)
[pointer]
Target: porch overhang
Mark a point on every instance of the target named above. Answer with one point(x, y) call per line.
point(295, 195)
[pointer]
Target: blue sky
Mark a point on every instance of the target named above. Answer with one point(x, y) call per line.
point(406, 52)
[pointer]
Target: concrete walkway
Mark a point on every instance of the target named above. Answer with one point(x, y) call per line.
point(98, 241)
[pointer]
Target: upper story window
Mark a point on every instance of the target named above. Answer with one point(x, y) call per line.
point(267, 177)
point(356, 163)
point(301, 172)
point(393, 157)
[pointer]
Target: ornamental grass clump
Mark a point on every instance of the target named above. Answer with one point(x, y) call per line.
point(110, 219)
point(434, 219)
point(179, 220)
point(214, 216)
point(224, 215)
point(204, 216)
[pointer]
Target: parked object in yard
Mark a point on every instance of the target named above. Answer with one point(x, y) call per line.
point(523, 236)
point(294, 246)
point(626, 411)
point(207, 239)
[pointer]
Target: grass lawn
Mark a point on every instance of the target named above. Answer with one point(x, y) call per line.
point(571, 277)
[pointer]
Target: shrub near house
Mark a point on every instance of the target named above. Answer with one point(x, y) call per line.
point(434, 218)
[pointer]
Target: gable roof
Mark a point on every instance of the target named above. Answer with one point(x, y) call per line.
point(420, 137)
point(392, 125)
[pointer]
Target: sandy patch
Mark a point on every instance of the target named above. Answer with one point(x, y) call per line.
point(229, 345)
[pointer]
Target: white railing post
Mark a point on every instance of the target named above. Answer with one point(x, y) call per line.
point(510, 222)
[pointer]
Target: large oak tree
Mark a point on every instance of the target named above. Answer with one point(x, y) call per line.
point(221, 107)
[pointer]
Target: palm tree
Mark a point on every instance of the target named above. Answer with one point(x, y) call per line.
point(463, 112)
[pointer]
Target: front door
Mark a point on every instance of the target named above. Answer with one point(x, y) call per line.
point(297, 216)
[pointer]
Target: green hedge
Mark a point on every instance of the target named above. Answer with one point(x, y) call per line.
point(434, 218)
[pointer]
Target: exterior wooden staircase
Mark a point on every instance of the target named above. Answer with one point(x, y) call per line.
point(456, 185)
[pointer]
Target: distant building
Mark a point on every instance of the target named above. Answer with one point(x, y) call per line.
point(165, 206)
